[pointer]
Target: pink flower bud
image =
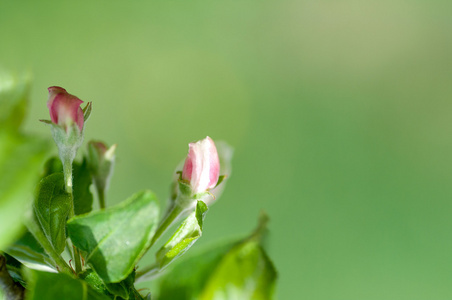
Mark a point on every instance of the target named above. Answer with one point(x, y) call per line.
point(202, 166)
point(64, 108)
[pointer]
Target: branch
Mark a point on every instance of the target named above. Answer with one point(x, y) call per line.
point(12, 290)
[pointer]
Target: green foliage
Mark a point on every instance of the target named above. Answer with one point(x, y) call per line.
point(83, 198)
point(52, 206)
point(245, 272)
point(21, 157)
point(29, 252)
point(115, 239)
point(124, 289)
point(14, 91)
point(57, 286)
point(184, 237)
point(238, 270)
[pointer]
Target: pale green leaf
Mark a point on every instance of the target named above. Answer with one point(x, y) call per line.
point(30, 253)
point(14, 91)
point(238, 270)
point(21, 158)
point(184, 237)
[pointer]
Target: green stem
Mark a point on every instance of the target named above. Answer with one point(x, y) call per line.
point(171, 217)
point(42, 239)
point(148, 273)
point(101, 196)
point(67, 169)
point(78, 261)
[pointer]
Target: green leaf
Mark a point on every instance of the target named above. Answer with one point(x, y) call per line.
point(83, 198)
point(237, 270)
point(91, 277)
point(14, 91)
point(52, 206)
point(14, 269)
point(82, 180)
point(21, 158)
point(57, 286)
point(124, 289)
point(30, 253)
point(115, 239)
point(52, 165)
point(245, 272)
point(184, 237)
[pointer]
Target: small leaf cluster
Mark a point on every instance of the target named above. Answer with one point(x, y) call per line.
point(41, 239)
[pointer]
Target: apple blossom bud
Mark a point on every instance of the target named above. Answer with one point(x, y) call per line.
point(67, 124)
point(64, 108)
point(101, 160)
point(202, 166)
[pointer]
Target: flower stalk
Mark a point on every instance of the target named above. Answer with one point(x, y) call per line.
point(67, 125)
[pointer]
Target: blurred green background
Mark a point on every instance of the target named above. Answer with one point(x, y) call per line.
point(339, 112)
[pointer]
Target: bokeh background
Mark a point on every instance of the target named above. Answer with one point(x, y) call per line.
point(339, 113)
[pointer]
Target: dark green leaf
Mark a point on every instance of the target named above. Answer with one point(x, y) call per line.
point(29, 252)
point(14, 269)
point(52, 165)
point(125, 289)
point(58, 286)
point(51, 206)
point(20, 160)
point(184, 237)
point(14, 93)
point(115, 239)
point(83, 199)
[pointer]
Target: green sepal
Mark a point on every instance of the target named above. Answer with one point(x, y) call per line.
point(115, 239)
point(48, 122)
point(220, 180)
point(87, 111)
point(184, 187)
point(51, 207)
